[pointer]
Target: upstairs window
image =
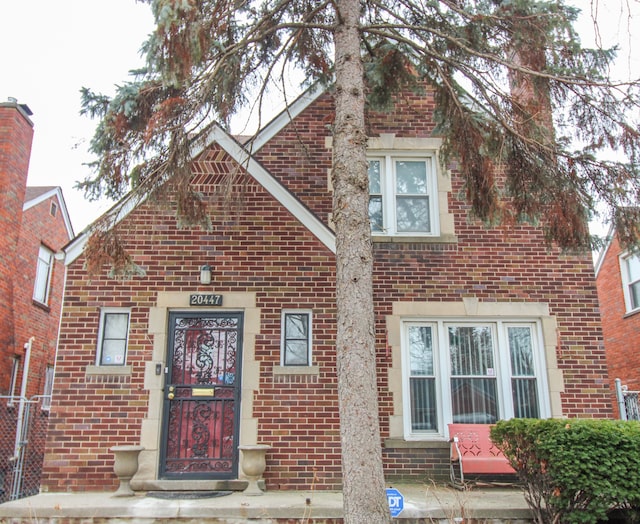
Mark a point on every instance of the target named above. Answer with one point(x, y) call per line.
point(296, 338)
point(113, 337)
point(630, 271)
point(402, 196)
point(43, 275)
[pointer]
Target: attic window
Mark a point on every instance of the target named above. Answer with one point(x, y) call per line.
point(54, 209)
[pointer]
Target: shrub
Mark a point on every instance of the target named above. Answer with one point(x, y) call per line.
point(573, 471)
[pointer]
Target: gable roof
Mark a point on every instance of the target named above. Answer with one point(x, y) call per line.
point(241, 154)
point(36, 194)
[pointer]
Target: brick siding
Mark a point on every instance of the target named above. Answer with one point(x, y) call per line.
point(257, 246)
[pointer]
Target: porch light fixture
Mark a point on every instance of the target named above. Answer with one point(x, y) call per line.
point(205, 275)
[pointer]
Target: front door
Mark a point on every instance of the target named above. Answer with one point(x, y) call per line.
point(202, 396)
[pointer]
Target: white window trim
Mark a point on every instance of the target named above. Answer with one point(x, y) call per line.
point(283, 315)
point(38, 285)
point(387, 161)
point(103, 312)
point(626, 281)
point(443, 373)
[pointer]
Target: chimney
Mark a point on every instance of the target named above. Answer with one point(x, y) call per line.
point(16, 135)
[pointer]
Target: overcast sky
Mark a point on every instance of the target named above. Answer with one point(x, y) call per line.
point(52, 49)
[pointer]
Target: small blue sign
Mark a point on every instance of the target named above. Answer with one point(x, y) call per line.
point(396, 501)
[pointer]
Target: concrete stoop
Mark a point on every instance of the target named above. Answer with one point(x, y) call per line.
point(421, 505)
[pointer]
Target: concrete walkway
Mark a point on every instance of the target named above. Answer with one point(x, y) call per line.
point(421, 503)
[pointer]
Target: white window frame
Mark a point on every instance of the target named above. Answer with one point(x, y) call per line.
point(502, 367)
point(103, 314)
point(48, 388)
point(625, 275)
point(388, 161)
point(283, 338)
point(44, 268)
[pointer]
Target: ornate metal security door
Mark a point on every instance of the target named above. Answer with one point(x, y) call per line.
point(202, 396)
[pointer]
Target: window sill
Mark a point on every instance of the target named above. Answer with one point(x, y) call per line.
point(108, 370)
point(296, 370)
point(396, 239)
point(631, 313)
point(398, 443)
point(41, 305)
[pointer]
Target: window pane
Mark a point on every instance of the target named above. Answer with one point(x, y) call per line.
point(297, 326)
point(423, 404)
point(375, 213)
point(633, 263)
point(296, 353)
point(525, 398)
point(474, 400)
point(374, 177)
point(521, 351)
point(115, 325)
point(375, 199)
point(634, 292)
point(421, 350)
point(471, 350)
point(411, 177)
point(113, 352)
point(412, 214)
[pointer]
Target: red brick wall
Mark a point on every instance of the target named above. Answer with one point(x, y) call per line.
point(621, 331)
point(31, 318)
point(16, 134)
point(259, 247)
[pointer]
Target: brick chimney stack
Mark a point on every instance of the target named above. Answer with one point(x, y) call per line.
point(16, 136)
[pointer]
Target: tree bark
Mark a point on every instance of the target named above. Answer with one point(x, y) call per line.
point(363, 476)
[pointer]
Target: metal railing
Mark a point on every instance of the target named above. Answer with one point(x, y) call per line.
point(628, 402)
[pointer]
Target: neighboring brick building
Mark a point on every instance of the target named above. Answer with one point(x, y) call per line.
point(618, 283)
point(34, 225)
point(472, 324)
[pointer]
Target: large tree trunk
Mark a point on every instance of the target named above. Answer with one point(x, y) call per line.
point(363, 478)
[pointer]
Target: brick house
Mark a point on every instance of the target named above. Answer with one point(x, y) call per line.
point(34, 225)
point(618, 284)
point(472, 324)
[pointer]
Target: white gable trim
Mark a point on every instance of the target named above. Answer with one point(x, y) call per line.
point(236, 151)
point(283, 119)
point(274, 187)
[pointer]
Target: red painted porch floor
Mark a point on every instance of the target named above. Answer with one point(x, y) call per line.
point(421, 504)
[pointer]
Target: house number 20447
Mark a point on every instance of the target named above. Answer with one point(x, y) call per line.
point(205, 300)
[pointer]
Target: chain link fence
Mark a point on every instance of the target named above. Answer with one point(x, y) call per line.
point(23, 432)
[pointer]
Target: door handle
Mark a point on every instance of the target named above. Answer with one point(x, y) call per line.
point(171, 394)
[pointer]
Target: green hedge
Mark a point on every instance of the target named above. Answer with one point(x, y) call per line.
point(574, 471)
